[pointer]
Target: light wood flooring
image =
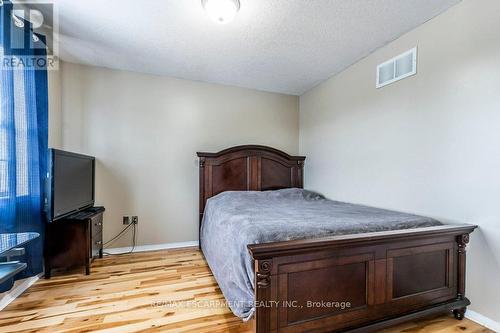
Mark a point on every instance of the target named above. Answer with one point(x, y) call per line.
point(122, 294)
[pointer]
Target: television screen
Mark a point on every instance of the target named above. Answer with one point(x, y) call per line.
point(72, 178)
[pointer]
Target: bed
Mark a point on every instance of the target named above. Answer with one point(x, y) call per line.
point(290, 260)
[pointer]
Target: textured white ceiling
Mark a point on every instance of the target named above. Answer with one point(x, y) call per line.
point(286, 46)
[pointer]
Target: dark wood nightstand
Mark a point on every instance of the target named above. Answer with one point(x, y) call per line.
point(74, 241)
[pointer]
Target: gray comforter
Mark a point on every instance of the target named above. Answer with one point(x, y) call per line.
point(232, 220)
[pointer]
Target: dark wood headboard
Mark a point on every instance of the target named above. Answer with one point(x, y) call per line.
point(247, 168)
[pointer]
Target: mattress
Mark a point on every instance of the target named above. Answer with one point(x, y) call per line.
point(234, 219)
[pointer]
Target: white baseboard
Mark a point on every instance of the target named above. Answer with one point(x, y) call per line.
point(154, 247)
point(482, 320)
point(17, 291)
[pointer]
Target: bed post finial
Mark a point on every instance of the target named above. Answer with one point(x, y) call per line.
point(463, 240)
point(264, 273)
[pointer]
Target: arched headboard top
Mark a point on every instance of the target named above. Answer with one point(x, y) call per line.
point(250, 148)
point(247, 168)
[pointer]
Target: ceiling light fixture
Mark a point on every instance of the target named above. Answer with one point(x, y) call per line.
point(221, 11)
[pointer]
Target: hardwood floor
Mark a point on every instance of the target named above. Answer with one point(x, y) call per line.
point(133, 293)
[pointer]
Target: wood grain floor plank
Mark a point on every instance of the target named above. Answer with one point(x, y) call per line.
point(148, 292)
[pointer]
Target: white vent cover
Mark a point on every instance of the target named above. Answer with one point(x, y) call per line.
point(397, 68)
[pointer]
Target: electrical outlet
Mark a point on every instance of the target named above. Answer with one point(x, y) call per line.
point(135, 219)
point(126, 220)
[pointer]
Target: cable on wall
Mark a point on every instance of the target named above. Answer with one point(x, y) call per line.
point(121, 233)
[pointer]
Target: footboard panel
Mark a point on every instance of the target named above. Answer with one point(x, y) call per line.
point(354, 282)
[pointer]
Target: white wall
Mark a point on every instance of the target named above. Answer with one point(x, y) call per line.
point(429, 144)
point(145, 131)
point(55, 111)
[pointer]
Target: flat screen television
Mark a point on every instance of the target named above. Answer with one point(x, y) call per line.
point(70, 183)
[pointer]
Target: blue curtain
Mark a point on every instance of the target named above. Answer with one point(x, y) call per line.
point(23, 133)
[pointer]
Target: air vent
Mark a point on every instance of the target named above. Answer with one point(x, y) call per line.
point(397, 68)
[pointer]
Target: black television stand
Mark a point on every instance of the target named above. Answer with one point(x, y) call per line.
point(74, 241)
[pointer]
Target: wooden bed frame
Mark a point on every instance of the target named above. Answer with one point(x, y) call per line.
point(370, 280)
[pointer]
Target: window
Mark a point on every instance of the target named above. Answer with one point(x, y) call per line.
point(20, 124)
point(4, 184)
point(3, 163)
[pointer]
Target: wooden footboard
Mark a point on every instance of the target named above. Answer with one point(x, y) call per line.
point(359, 283)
